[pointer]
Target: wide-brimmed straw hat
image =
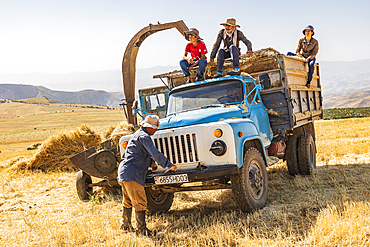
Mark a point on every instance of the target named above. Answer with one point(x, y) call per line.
point(192, 31)
point(231, 22)
point(151, 121)
point(309, 27)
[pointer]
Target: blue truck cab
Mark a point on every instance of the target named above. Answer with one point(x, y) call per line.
point(208, 103)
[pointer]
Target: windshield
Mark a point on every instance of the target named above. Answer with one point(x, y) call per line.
point(209, 95)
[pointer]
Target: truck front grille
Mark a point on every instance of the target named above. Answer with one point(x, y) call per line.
point(179, 149)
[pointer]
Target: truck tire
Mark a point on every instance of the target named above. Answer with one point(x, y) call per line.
point(82, 185)
point(250, 186)
point(291, 155)
point(306, 154)
point(158, 201)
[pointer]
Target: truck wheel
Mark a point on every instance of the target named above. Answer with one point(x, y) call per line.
point(291, 155)
point(250, 186)
point(157, 200)
point(82, 185)
point(306, 154)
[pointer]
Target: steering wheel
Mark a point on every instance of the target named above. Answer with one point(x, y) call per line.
point(225, 99)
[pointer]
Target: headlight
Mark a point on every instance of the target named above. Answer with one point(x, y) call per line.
point(218, 148)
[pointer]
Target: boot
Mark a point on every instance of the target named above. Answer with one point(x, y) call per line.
point(141, 225)
point(126, 215)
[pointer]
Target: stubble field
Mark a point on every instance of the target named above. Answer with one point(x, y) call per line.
point(329, 208)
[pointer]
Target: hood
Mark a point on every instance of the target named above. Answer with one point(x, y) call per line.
point(200, 116)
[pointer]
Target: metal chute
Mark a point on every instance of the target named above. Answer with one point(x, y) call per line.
point(129, 62)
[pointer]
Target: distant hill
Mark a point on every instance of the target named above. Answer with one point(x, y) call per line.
point(93, 97)
point(341, 78)
point(354, 100)
point(37, 100)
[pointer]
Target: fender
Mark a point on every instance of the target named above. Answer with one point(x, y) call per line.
point(250, 132)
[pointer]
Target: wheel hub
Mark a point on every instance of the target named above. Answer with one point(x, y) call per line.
point(255, 180)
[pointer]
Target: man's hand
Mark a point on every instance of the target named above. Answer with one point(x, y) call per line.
point(249, 53)
point(154, 166)
point(173, 168)
point(211, 61)
point(190, 60)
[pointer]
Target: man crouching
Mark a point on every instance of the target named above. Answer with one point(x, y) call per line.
point(139, 155)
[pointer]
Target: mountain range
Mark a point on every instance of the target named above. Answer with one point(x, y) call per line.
point(93, 97)
point(338, 78)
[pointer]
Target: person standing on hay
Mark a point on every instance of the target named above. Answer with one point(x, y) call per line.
point(309, 47)
point(198, 51)
point(140, 154)
point(230, 37)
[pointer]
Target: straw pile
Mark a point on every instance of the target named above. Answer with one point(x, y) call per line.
point(122, 129)
point(54, 153)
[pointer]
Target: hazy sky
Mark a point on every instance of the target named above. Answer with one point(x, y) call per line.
point(64, 36)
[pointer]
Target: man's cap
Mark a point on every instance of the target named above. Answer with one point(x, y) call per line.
point(231, 22)
point(151, 121)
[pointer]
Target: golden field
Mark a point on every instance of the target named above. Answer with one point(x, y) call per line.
point(329, 208)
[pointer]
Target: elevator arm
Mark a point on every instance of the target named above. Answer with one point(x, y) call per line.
point(129, 61)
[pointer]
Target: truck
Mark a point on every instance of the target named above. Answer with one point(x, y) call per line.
point(222, 133)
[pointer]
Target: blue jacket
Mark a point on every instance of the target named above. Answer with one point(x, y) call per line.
point(139, 154)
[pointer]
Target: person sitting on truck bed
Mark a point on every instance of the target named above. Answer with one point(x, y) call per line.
point(139, 155)
point(309, 47)
point(230, 37)
point(198, 51)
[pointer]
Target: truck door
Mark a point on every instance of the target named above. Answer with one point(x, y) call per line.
point(258, 113)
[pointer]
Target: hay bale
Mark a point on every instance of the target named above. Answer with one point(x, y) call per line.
point(54, 153)
point(122, 129)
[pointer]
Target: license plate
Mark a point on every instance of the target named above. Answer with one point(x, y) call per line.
point(171, 179)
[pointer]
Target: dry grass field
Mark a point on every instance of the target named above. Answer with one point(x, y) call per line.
point(329, 208)
point(22, 125)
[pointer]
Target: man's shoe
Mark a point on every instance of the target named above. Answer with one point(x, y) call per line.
point(234, 72)
point(146, 232)
point(126, 227)
point(218, 75)
point(308, 85)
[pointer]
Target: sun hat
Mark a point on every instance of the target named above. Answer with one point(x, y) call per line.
point(309, 27)
point(231, 22)
point(151, 121)
point(192, 31)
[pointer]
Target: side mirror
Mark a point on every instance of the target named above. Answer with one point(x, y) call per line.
point(264, 80)
point(134, 105)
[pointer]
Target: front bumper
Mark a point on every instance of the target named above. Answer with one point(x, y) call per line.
point(201, 173)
